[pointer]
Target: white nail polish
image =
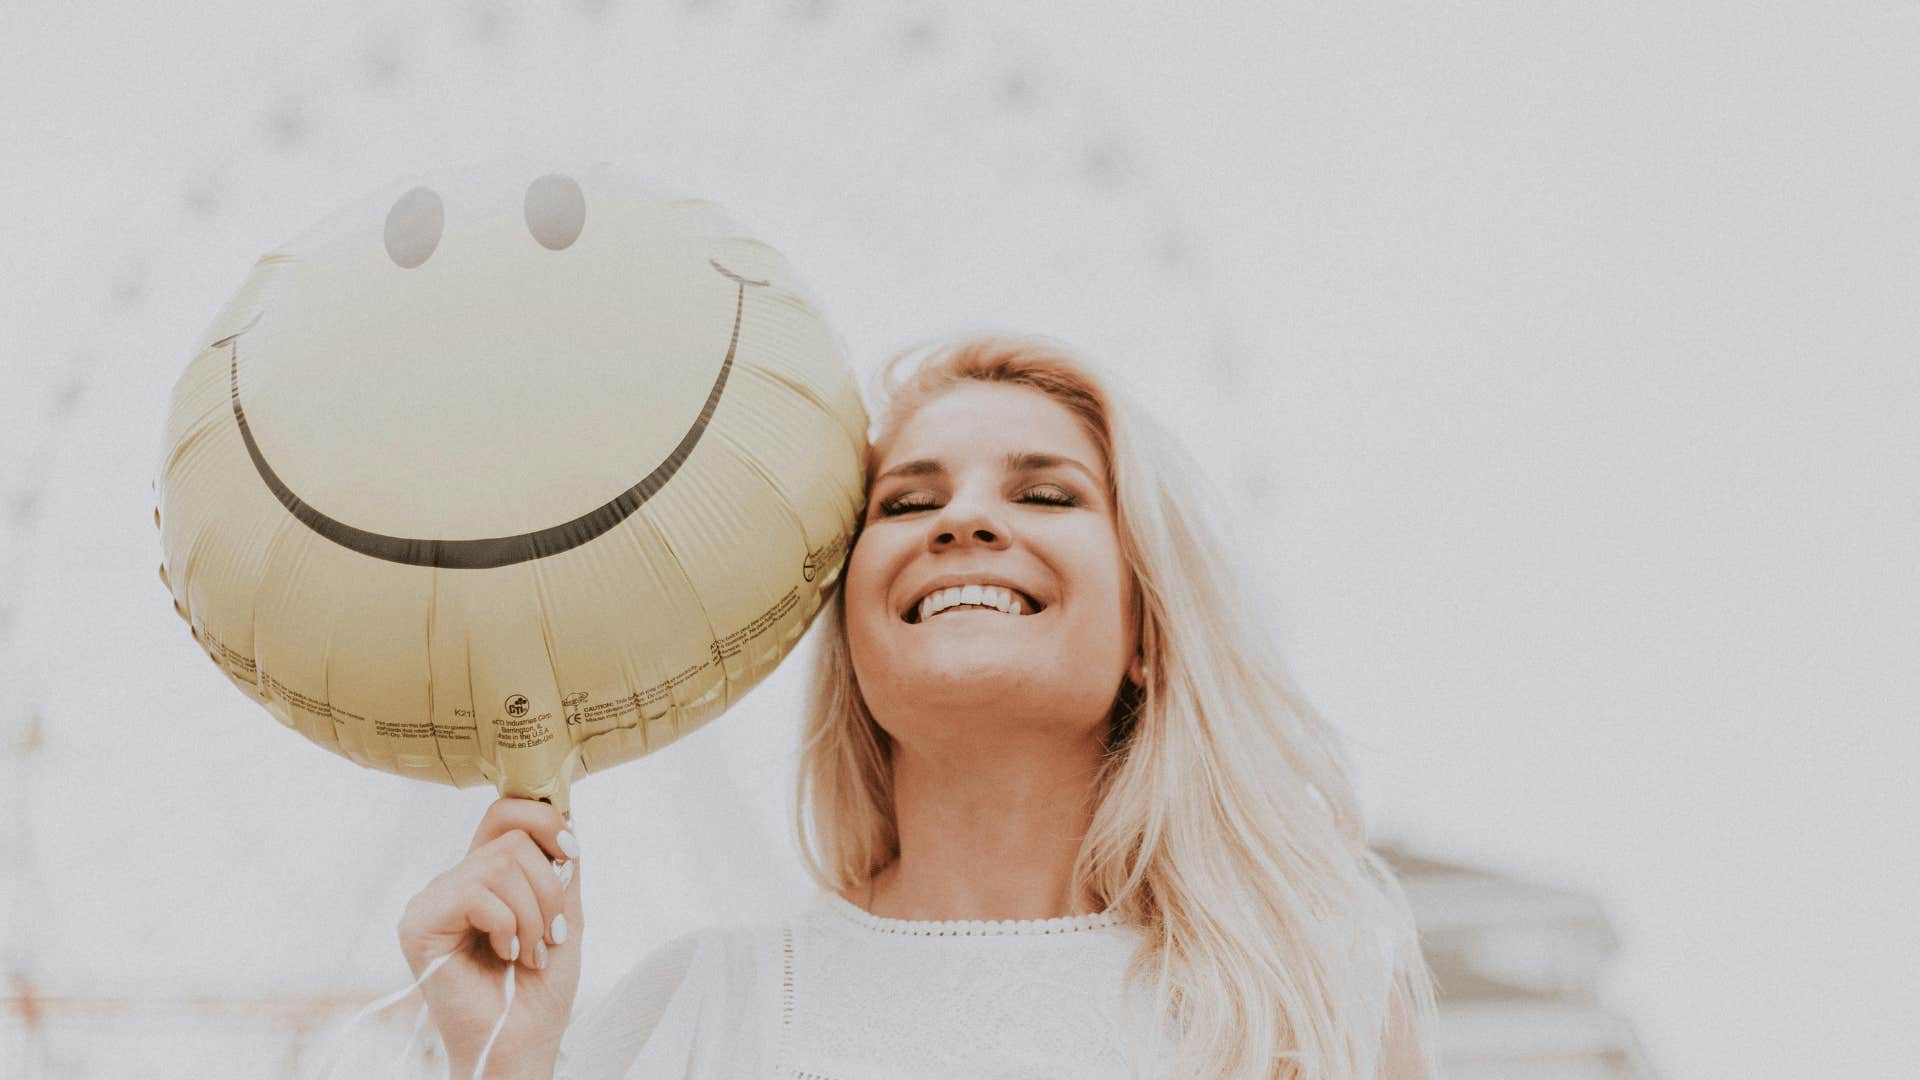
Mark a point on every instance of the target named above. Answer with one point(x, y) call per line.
point(563, 871)
point(513, 954)
point(569, 845)
point(559, 929)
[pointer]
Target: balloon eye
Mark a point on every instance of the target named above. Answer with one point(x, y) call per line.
point(413, 227)
point(556, 211)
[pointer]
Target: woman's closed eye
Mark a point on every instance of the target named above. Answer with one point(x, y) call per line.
point(908, 502)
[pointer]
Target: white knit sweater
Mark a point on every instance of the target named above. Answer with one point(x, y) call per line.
point(836, 993)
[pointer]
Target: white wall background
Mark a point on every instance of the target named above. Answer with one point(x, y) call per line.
point(1561, 362)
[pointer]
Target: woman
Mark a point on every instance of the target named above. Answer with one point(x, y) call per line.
point(1068, 818)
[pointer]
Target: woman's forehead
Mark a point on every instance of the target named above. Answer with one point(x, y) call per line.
point(986, 421)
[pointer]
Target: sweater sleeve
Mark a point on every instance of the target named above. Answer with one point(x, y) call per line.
point(647, 1018)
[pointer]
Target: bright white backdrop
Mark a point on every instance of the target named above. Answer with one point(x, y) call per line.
point(1559, 363)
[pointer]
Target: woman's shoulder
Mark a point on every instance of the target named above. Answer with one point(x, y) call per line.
point(735, 939)
point(728, 958)
point(707, 951)
point(730, 952)
point(650, 1022)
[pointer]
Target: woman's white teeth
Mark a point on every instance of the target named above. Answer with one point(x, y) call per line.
point(986, 596)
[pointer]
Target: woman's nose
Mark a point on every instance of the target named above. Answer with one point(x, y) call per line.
point(964, 523)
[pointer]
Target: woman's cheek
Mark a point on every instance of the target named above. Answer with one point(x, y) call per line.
point(866, 593)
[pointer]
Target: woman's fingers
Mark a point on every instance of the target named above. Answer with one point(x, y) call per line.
point(550, 898)
point(488, 913)
point(502, 897)
point(508, 887)
point(518, 886)
point(531, 816)
point(576, 917)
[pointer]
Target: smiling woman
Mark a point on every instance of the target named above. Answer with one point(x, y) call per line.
point(998, 486)
point(1039, 711)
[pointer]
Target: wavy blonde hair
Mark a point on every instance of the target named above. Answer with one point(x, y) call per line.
point(1225, 824)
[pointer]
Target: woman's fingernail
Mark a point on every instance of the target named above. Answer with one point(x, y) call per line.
point(559, 929)
point(569, 845)
point(513, 953)
point(540, 955)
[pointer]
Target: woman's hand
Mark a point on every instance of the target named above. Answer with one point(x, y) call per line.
point(502, 901)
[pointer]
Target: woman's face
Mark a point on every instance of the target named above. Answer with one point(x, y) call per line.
point(997, 486)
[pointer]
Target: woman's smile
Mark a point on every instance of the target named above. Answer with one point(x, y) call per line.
point(979, 592)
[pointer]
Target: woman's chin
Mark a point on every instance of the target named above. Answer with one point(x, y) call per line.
point(979, 690)
point(971, 680)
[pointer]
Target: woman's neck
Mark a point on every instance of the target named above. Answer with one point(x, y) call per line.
point(986, 837)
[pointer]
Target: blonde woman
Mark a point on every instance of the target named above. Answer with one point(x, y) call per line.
point(1067, 817)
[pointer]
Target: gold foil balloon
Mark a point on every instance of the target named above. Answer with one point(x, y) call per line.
point(505, 480)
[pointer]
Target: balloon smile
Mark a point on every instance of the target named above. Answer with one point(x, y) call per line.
point(490, 552)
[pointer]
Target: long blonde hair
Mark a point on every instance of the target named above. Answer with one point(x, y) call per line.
point(1225, 824)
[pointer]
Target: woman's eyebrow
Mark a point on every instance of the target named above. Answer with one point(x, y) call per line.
point(1017, 461)
point(1034, 460)
point(917, 467)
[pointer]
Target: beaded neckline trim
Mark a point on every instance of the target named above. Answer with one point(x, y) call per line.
point(1065, 924)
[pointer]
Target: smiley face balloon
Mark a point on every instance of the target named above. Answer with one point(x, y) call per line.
point(509, 479)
